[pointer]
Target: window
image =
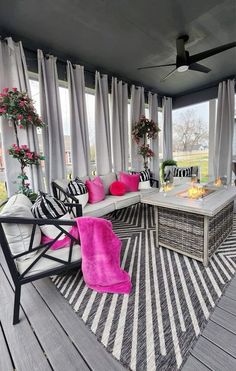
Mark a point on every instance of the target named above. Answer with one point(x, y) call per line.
point(191, 137)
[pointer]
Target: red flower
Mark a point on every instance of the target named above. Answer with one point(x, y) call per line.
point(21, 126)
point(5, 90)
point(2, 110)
point(22, 103)
point(19, 117)
point(14, 89)
point(29, 118)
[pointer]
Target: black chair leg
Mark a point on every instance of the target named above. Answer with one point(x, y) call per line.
point(17, 305)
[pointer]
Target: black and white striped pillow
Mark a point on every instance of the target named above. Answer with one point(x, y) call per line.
point(48, 207)
point(77, 187)
point(183, 172)
point(144, 175)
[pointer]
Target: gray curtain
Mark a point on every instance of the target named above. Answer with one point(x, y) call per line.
point(102, 126)
point(154, 143)
point(53, 138)
point(13, 73)
point(80, 150)
point(167, 128)
point(223, 142)
point(119, 122)
point(137, 108)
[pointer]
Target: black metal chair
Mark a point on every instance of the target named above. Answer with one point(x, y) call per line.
point(21, 278)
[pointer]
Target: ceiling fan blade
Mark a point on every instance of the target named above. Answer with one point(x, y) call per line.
point(199, 67)
point(208, 53)
point(160, 65)
point(169, 74)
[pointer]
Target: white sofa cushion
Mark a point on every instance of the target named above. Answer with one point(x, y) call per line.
point(52, 232)
point(100, 208)
point(44, 264)
point(83, 199)
point(19, 235)
point(144, 185)
point(126, 200)
point(107, 180)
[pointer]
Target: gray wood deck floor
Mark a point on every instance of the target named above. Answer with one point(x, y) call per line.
point(50, 336)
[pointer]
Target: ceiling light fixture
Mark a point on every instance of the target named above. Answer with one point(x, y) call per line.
point(182, 68)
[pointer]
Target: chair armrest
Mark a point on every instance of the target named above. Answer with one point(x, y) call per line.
point(57, 190)
point(77, 206)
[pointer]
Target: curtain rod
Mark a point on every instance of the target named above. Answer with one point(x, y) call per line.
point(62, 61)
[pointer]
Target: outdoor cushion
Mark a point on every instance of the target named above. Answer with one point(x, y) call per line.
point(117, 188)
point(128, 199)
point(107, 181)
point(45, 264)
point(48, 207)
point(144, 185)
point(183, 171)
point(131, 181)
point(95, 190)
point(19, 235)
point(78, 189)
point(101, 208)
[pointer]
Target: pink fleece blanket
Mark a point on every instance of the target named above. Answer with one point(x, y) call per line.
point(100, 250)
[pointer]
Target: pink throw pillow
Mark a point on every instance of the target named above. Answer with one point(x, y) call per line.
point(117, 188)
point(131, 181)
point(95, 190)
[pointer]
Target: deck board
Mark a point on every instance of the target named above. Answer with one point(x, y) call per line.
point(194, 364)
point(5, 359)
point(224, 319)
point(99, 359)
point(25, 350)
point(228, 304)
point(212, 356)
point(221, 337)
point(51, 326)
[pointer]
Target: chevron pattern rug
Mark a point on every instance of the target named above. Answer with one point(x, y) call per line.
point(173, 296)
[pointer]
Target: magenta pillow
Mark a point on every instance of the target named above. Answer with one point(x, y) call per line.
point(95, 190)
point(117, 188)
point(131, 181)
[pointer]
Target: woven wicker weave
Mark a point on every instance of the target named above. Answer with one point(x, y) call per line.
point(184, 231)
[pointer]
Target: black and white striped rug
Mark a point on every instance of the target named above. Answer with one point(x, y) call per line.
point(155, 327)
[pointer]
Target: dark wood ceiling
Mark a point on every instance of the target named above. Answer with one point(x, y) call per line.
point(117, 36)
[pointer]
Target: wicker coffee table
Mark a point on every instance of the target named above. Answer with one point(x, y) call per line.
point(195, 228)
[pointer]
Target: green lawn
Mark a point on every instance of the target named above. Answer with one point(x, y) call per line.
point(194, 159)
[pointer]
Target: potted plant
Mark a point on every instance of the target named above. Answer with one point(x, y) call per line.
point(18, 108)
point(143, 130)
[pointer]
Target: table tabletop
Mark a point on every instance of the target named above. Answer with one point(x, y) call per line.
point(209, 205)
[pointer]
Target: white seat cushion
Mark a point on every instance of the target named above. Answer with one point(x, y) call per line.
point(100, 208)
point(126, 200)
point(45, 264)
point(19, 235)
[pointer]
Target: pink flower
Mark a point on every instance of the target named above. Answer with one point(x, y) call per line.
point(2, 110)
point(14, 89)
point(21, 126)
point(24, 146)
point(19, 117)
point(5, 90)
point(29, 118)
point(22, 103)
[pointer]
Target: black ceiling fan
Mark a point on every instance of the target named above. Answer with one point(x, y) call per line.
point(185, 62)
